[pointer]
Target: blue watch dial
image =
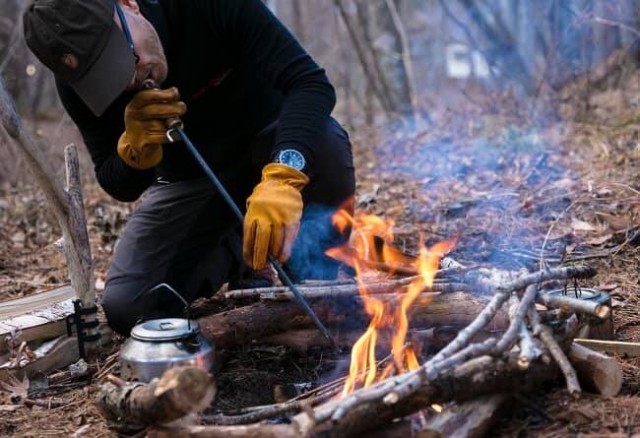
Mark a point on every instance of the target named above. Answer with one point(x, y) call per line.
point(292, 158)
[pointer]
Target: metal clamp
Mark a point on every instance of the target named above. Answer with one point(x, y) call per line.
point(76, 319)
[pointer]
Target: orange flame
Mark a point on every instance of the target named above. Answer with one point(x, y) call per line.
point(370, 247)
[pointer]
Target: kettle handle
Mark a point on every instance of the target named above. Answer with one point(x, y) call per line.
point(187, 308)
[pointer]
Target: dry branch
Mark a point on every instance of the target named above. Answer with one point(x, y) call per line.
point(575, 304)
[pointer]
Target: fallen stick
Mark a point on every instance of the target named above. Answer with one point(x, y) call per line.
point(596, 372)
point(179, 392)
point(545, 334)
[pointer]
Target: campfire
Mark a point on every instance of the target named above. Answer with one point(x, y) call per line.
point(489, 332)
point(372, 244)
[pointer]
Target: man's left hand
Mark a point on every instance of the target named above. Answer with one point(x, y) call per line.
point(274, 210)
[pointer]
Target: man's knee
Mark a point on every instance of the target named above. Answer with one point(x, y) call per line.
point(121, 307)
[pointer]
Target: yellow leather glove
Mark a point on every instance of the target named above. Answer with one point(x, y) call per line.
point(145, 121)
point(273, 215)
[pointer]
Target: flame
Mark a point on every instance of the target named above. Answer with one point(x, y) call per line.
point(370, 247)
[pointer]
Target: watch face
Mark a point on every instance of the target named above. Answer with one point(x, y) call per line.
point(293, 158)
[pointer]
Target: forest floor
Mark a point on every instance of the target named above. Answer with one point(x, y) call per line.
point(516, 189)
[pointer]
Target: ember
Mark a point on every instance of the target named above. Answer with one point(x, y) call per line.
point(372, 244)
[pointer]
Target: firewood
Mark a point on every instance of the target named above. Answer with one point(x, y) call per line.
point(596, 371)
point(303, 339)
point(260, 320)
point(480, 376)
point(179, 392)
point(469, 419)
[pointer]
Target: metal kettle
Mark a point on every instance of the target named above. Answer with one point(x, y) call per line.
point(158, 344)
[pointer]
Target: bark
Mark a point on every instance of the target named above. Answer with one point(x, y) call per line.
point(179, 392)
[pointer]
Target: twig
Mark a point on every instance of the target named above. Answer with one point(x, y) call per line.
point(47, 404)
point(262, 414)
point(545, 335)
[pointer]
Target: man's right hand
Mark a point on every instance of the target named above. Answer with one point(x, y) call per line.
point(145, 120)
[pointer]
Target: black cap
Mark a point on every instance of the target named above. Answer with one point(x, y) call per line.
point(80, 42)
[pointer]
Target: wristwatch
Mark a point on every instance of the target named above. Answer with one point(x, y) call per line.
point(292, 158)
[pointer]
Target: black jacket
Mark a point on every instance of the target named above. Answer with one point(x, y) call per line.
point(238, 69)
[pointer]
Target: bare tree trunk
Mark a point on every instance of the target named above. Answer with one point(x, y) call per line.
point(372, 81)
point(500, 42)
point(65, 204)
point(407, 63)
point(299, 24)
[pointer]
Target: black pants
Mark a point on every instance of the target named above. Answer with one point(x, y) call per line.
point(183, 234)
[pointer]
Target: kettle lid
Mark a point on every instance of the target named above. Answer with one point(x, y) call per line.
point(164, 329)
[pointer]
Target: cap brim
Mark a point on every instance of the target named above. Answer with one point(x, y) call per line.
point(109, 76)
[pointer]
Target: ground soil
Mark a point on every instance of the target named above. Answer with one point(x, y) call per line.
point(517, 191)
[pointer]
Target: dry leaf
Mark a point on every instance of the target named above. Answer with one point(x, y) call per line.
point(579, 225)
point(17, 389)
point(597, 241)
point(616, 223)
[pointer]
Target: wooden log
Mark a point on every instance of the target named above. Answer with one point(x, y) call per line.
point(260, 320)
point(179, 392)
point(597, 372)
point(469, 419)
point(303, 339)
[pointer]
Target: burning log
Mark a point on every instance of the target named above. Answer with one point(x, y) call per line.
point(179, 392)
point(476, 377)
point(263, 319)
